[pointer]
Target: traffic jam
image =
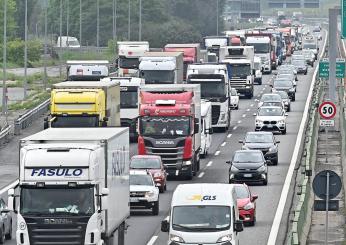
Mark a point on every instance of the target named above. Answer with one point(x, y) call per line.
point(150, 124)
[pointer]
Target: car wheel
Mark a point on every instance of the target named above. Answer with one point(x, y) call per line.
point(231, 181)
point(283, 132)
point(2, 237)
point(189, 174)
point(260, 82)
point(237, 108)
point(156, 208)
point(294, 98)
point(265, 181)
point(253, 222)
point(288, 108)
point(9, 235)
point(276, 161)
point(162, 189)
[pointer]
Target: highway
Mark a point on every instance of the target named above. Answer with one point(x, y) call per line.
point(145, 229)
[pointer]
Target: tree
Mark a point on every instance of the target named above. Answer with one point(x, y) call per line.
point(11, 24)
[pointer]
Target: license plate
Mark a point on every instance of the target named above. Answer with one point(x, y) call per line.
point(96, 72)
point(270, 126)
point(133, 199)
point(247, 175)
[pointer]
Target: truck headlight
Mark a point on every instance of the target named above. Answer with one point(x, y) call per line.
point(249, 206)
point(226, 238)
point(175, 238)
point(149, 194)
point(187, 162)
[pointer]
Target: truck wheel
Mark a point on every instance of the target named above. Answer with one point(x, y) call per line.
point(9, 235)
point(189, 174)
point(260, 82)
point(2, 237)
point(156, 208)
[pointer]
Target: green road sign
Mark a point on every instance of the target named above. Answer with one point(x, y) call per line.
point(343, 18)
point(324, 67)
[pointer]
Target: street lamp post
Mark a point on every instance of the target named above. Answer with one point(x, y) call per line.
point(129, 21)
point(4, 88)
point(217, 17)
point(140, 21)
point(45, 44)
point(98, 23)
point(80, 22)
point(25, 48)
point(60, 41)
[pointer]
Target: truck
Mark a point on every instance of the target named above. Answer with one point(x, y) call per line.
point(128, 57)
point(84, 104)
point(169, 126)
point(213, 44)
point(203, 214)
point(162, 67)
point(73, 187)
point(215, 87)
point(258, 70)
point(206, 127)
point(241, 71)
point(87, 70)
point(129, 89)
point(286, 33)
point(192, 53)
point(67, 42)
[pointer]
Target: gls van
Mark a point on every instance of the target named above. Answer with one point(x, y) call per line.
point(203, 214)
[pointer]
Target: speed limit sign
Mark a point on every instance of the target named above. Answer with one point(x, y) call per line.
point(327, 110)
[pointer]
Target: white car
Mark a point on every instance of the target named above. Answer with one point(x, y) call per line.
point(234, 99)
point(269, 98)
point(143, 192)
point(271, 118)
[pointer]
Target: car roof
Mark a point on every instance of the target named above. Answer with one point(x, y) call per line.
point(248, 151)
point(139, 172)
point(259, 132)
point(271, 107)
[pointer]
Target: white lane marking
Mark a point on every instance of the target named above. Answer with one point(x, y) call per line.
point(10, 186)
point(256, 100)
point(152, 240)
point(244, 115)
point(252, 105)
point(201, 175)
point(235, 127)
point(217, 153)
point(264, 89)
point(248, 109)
point(210, 163)
point(229, 136)
point(223, 144)
point(239, 122)
point(286, 187)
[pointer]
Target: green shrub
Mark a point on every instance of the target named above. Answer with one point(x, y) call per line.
point(15, 51)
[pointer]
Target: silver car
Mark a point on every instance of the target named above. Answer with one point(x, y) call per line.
point(285, 99)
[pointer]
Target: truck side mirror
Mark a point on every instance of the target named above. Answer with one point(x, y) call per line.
point(11, 200)
point(165, 226)
point(104, 198)
point(238, 226)
point(196, 125)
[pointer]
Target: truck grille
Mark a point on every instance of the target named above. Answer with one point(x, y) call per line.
point(215, 114)
point(57, 234)
point(238, 83)
point(169, 155)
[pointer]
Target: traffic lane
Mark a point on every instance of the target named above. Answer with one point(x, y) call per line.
point(268, 195)
point(139, 230)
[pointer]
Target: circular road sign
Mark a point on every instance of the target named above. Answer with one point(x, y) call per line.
point(327, 110)
point(319, 184)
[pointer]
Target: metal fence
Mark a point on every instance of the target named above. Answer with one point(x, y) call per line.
point(26, 120)
point(5, 134)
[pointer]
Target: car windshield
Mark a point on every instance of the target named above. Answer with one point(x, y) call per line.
point(283, 94)
point(241, 191)
point(75, 122)
point(128, 63)
point(158, 77)
point(309, 46)
point(247, 156)
point(282, 83)
point(145, 163)
point(239, 70)
point(259, 138)
point(298, 62)
point(73, 43)
point(210, 88)
point(201, 218)
point(270, 97)
point(289, 76)
point(271, 103)
point(270, 111)
point(165, 126)
point(57, 201)
point(260, 48)
point(141, 179)
point(128, 99)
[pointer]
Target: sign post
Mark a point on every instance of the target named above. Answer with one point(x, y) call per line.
point(327, 111)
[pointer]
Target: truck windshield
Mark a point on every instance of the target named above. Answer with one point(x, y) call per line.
point(201, 218)
point(260, 48)
point(210, 88)
point(128, 63)
point(75, 122)
point(57, 201)
point(158, 77)
point(239, 70)
point(165, 126)
point(309, 46)
point(128, 99)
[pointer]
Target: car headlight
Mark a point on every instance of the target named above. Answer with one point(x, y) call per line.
point(281, 122)
point(234, 169)
point(149, 194)
point(226, 238)
point(249, 206)
point(258, 121)
point(261, 169)
point(291, 89)
point(286, 102)
point(157, 175)
point(272, 149)
point(175, 238)
point(244, 147)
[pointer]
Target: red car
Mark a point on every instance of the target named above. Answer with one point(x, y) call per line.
point(246, 204)
point(153, 164)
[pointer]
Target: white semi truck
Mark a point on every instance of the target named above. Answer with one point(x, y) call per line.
point(162, 67)
point(73, 187)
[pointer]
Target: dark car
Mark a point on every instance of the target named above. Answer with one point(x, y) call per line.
point(285, 85)
point(263, 141)
point(301, 66)
point(154, 166)
point(248, 166)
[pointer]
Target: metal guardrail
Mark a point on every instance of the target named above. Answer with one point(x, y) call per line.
point(83, 49)
point(26, 120)
point(5, 134)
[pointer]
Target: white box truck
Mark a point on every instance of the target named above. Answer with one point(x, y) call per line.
point(73, 186)
point(203, 214)
point(162, 67)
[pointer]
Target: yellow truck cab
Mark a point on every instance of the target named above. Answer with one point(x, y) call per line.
point(84, 104)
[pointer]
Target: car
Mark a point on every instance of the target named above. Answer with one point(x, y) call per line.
point(317, 32)
point(287, 76)
point(234, 99)
point(263, 141)
point(284, 85)
point(248, 166)
point(143, 192)
point(285, 99)
point(274, 103)
point(300, 66)
point(309, 57)
point(246, 204)
point(5, 222)
point(269, 98)
point(153, 164)
point(270, 118)
point(288, 69)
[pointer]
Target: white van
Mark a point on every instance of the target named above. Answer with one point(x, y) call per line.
point(206, 127)
point(87, 70)
point(68, 42)
point(203, 214)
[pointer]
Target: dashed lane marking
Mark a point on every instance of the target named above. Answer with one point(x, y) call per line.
point(223, 144)
point(152, 240)
point(235, 127)
point(201, 175)
point(210, 163)
point(229, 135)
point(217, 153)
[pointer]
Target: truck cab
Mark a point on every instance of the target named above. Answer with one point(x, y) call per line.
point(258, 70)
point(87, 70)
point(262, 48)
point(203, 214)
point(162, 67)
point(129, 54)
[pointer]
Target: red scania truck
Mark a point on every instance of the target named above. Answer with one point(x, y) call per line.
point(169, 123)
